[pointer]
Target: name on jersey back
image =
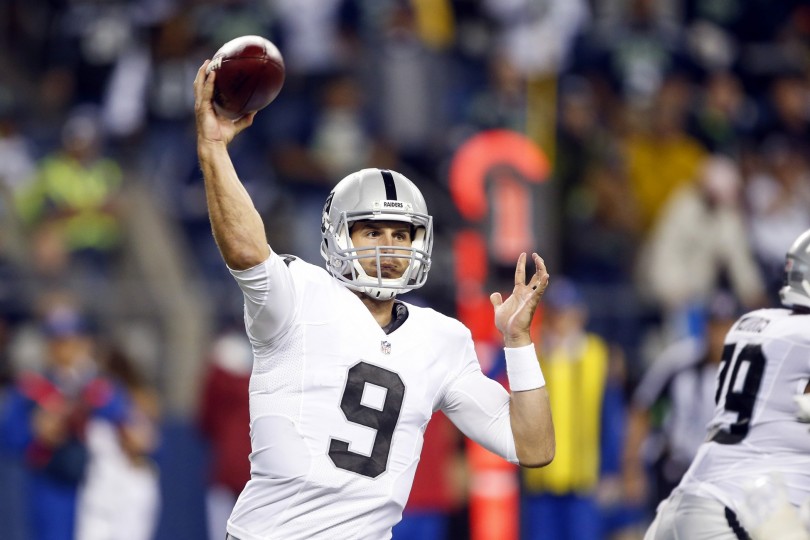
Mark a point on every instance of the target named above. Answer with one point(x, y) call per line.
point(752, 324)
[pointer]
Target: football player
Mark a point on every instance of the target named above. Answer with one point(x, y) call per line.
point(345, 375)
point(756, 431)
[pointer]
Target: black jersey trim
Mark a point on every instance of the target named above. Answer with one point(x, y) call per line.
point(399, 314)
point(735, 525)
point(288, 259)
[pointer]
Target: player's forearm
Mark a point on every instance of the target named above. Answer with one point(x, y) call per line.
point(238, 229)
point(532, 427)
point(634, 476)
point(637, 430)
point(529, 406)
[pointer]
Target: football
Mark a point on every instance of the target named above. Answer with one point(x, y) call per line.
point(250, 74)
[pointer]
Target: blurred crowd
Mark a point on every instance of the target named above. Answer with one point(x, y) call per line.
point(676, 137)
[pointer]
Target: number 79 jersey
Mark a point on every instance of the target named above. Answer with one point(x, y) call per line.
point(339, 407)
point(755, 431)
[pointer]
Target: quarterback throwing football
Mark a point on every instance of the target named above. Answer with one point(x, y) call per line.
point(345, 375)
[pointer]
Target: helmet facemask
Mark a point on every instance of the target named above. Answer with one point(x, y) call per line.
point(343, 258)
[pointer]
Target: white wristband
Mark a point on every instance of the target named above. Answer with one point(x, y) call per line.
point(523, 368)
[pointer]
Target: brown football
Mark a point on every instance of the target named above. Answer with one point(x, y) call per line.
point(250, 74)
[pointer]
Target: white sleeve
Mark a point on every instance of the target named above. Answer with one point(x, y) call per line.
point(270, 298)
point(479, 407)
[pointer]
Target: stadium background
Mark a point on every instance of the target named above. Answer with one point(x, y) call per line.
point(624, 99)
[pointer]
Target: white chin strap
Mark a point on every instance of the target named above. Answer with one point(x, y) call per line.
point(379, 293)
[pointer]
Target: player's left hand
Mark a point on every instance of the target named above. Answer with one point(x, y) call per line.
point(513, 317)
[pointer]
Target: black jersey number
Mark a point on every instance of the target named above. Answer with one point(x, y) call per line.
point(384, 420)
point(740, 377)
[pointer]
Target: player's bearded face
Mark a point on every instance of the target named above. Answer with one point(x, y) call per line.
point(391, 234)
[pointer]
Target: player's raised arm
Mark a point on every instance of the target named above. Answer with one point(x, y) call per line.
point(238, 228)
point(529, 407)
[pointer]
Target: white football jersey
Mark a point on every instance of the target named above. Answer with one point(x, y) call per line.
point(338, 407)
point(754, 431)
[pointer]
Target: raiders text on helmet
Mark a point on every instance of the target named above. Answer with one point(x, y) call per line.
point(381, 195)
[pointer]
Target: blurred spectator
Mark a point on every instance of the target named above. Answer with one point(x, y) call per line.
point(537, 38)
point(439, 486)
point(660, 155)
point(224, 420)
point(599, 218)
point(317, 36)
point(786, 111)
point(638, 45)
point(46, 417)
point(778, 201)
point(16, 288)
point(88, 41)
point(16, 153)
point(710, 42)
point(536, 41)
point(723, 115)
point(320, 42)
point(700, 243)
point(411, 81)
point(600, 236)
point(501, 103)
point(6, 370)
point(166, 149)
point(119, 496)
point(342, 140)
point(11, 471)
point(76, 190)
point(601, 221)
point(621, 519)
point(582, 139)
point(671, 407)
point(49, 264)
point(560, 500)
point(16, 167)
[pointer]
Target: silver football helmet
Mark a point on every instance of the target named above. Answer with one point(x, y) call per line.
point(381, 195)
point(796, 289)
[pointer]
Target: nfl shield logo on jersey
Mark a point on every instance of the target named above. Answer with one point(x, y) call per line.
point(385, 347)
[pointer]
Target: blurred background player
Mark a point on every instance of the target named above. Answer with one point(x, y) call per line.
point(697, 245)
point(75, 195)
point(46, 417)
point(560, 502)
point(671, 407)
point(119, 496)
point(755, 430)
point(224, 421)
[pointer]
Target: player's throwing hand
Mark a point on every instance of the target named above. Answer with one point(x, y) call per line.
point(210, 126)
